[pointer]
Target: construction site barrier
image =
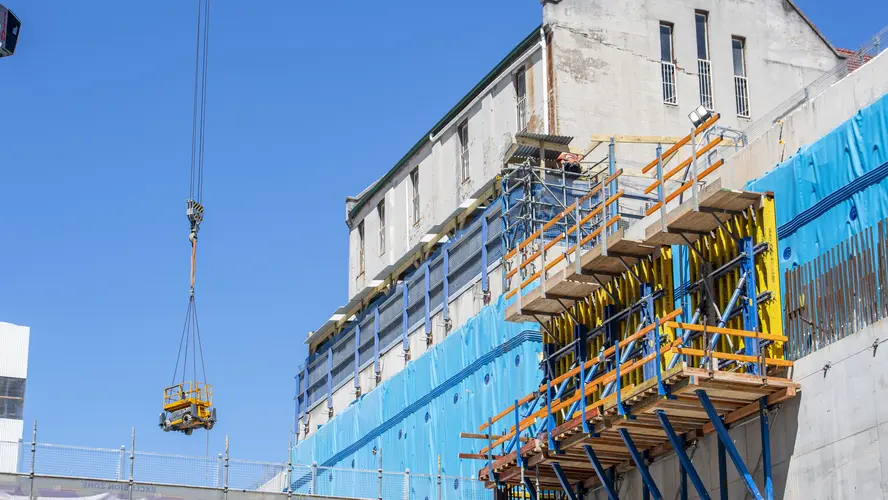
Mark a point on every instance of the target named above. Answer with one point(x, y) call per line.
point(91, 471)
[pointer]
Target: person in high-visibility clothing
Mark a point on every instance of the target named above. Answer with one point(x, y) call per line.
point(570, 162)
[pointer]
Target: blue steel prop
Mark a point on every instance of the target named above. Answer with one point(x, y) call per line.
point(529, 488)
point(766, 448)
point(606, 481)
point(550, 420)
point(725, 439)
point(683, 484)
point(485, 284)
point(490, 471)
point(641, 463)
point(750, 304)
point(517, 439)
point(427, 297)
point(687, 466)
point(722, 472)
point(565, 483)
point(405, 299)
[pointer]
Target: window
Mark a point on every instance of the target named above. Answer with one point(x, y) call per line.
point(12, 398)
point(741, 85)
point(667, 64)
point(414, 184)
point(704, 66)
point(521, 94)
point(380, 211)
point(463, 132)
point(361, 248)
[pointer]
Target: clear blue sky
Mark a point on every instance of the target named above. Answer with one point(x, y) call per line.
point(308, 102)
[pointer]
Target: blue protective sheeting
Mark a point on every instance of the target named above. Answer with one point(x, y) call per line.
point(417, 415)
point(832, 189)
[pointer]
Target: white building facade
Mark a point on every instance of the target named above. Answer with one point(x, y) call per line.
point(14, 341)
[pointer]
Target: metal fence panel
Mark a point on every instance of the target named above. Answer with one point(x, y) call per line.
point(178, 469)
point(257, 476)
point(333, 481)
point(77, 461)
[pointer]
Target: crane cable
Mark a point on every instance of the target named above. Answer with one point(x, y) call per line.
point(191, 330)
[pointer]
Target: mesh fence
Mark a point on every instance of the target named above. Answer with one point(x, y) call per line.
point(76, 461)
point(257, 476)
point(354, 483)
point(177, 469)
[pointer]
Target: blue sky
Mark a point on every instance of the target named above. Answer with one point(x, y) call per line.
point(308, 102)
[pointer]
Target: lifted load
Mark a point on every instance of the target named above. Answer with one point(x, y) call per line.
point(188, 406)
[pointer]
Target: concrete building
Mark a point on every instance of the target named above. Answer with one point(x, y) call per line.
point(13, 373)
point(590, 68)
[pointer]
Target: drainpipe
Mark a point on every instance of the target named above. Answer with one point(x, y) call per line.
point(545, 60)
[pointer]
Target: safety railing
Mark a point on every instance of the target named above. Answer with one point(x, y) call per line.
point(689, 164)
point(191, 390)
point(670, 93)
point(129, 467)
point(838, 293)
point(704, 76)
point(536, 250)
point(741, 95)
point(408, 307)
point(656, 346)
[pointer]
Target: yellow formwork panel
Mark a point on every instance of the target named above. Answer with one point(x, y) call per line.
point(718, 249)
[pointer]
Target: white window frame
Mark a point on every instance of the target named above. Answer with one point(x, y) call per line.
point(380, 215)
point(521, 98)
point(704, 64)
point(462, 137)
point(361, 250)
point(667, 67)
point(414, 186)
point(741, 81)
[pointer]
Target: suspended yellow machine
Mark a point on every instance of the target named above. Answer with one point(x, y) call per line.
point(188, 402)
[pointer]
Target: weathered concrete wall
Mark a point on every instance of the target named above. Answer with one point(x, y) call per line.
point(492, 121)
point(607, 59)
point(825, 443)
point(808, 123)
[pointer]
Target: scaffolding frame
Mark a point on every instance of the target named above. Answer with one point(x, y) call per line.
point(686, 355)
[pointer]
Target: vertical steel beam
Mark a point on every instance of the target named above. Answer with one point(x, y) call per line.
point(641, 463)
point(446, 285)
point(722, 472)
point(427, 309)
point(376, 341)
point(529, 488)
point(645, 492)
point(550, 419)
point(357, 382)
point(687, 467)
point(750, 304)
point(606, 481)
point(517, 440)
point(766, 449)
point(330, 379)
point(650, 343)
point(661, 188)
point(683, 492)
point(725, 439)
point(485, 283)
point(565, 482)
point(405, 303)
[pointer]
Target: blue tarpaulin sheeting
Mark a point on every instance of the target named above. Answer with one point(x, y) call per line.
point(417, 415)
point(831, 189)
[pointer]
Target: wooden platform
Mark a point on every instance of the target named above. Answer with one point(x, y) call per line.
point(565, 287)
point(734, 395)
point(716, 205)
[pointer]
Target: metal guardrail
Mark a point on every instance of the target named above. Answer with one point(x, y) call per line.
point(119, 468)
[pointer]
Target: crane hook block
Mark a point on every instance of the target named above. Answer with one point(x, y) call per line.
point(195, 212)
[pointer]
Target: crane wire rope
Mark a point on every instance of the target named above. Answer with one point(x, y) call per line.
point(191, 339)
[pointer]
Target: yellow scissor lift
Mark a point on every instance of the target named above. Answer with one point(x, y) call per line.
point(188, 406)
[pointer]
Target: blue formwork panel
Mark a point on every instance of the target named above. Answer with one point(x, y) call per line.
point(831, 189)
point(416, 416)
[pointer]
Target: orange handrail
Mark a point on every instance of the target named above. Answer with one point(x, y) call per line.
point(597, 359)
point(733, 357)
point(569, 209)
point(684, 187)
point(705, 149)
point(675, 147)
point(554, 241)
point(726, 331)
point(562, 256)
